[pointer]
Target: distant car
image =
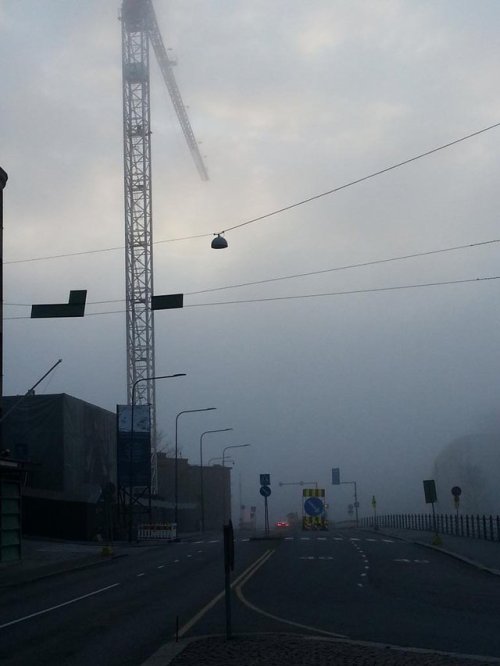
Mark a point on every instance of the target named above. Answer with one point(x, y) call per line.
point(282, 523)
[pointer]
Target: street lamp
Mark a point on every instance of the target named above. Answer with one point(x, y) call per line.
point(131, 463)
point(220, 458)
point(234, 446)
point(202, 501)
point(176, 477)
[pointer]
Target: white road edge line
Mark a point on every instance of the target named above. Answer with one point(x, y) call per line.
point(66, 603)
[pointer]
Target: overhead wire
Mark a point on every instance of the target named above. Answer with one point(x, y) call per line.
point(349, 292)
point(274, 212)
point(363, 264)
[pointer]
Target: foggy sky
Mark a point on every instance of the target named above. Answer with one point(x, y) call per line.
point(289, 99)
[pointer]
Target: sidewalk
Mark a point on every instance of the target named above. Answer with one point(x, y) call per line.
point(482, 554)
point(297, 650)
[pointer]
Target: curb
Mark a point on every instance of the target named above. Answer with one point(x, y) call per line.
point(169, 651)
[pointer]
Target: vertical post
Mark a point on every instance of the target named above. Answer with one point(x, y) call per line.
point(3, 182)
point(266, 517)
point(228, 567)
point(356, 502)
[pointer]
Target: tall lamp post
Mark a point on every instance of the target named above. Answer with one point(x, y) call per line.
point(176, 476)
point(234, 446)
point(3, 182)
point(131, 458)
point(202, 499)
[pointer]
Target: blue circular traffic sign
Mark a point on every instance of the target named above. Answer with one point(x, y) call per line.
point(265, 491)
point(314, 506)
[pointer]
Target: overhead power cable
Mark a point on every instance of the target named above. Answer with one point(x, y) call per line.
point(349, 292)
point(274, 212)
point(363, 264)
point(342, 268)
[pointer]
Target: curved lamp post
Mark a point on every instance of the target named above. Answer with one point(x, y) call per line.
point(234, 446)
point(202, 500)
point(131, 463)
point(220, 458)
point(176, 476)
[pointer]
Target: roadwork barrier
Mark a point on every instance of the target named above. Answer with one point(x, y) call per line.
point(163, 531)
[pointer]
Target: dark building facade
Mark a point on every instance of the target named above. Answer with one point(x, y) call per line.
point(71, 445)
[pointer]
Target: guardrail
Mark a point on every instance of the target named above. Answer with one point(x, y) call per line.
point(472, 526)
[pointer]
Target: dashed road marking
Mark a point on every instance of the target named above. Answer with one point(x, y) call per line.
point(161, 566)
point(387, 540)
point(140, 574)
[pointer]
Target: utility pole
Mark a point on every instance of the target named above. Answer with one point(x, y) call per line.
point(3, 182)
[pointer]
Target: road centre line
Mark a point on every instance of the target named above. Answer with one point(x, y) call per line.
point(186, 627)
point(66, 603)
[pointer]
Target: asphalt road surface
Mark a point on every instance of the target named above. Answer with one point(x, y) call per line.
point(116, 613)
point(366, 586)
point(350, 583)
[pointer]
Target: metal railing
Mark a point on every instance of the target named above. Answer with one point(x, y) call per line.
point(472, 526)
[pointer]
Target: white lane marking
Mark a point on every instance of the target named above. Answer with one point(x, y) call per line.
point(338, 538)
point(387, 541)
point(354, 539)
point(214, 541)
point(200, 551)
point(367, 567)
point(325, 557)
point(66, 603)
point(196, 542)
point(321, 539)
point(175, 561)
point(305, 538)
point(190, 556)
point(289, 538)
point(139, 575)
point(402, 560)
point(370, 539)
point(360, 584)
point(247, 539)
point(364, 574)
point(421, 561)
point(161, 566)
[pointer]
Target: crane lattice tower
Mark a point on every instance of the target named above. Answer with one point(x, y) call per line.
point(139, 29)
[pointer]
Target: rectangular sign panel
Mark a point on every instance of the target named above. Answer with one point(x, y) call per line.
point(430, 491)
point(335, 476)
point(265, 479)
point(133, 447)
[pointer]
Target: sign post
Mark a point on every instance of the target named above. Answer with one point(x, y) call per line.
point(228, 567)
point(431, 498)
point(374, 506)
point(265, 491)
point(456, 491)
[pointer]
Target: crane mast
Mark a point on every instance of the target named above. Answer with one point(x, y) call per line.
point(139, 28)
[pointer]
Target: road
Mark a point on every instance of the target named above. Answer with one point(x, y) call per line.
point(116, 613)
point(350, 583)
point(366, 586)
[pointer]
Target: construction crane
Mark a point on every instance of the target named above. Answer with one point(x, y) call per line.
point(139, 30)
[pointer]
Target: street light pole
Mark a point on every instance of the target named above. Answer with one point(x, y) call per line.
point(176, 476)
point(131, 444)
point(234, 446)
point(202, 499)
